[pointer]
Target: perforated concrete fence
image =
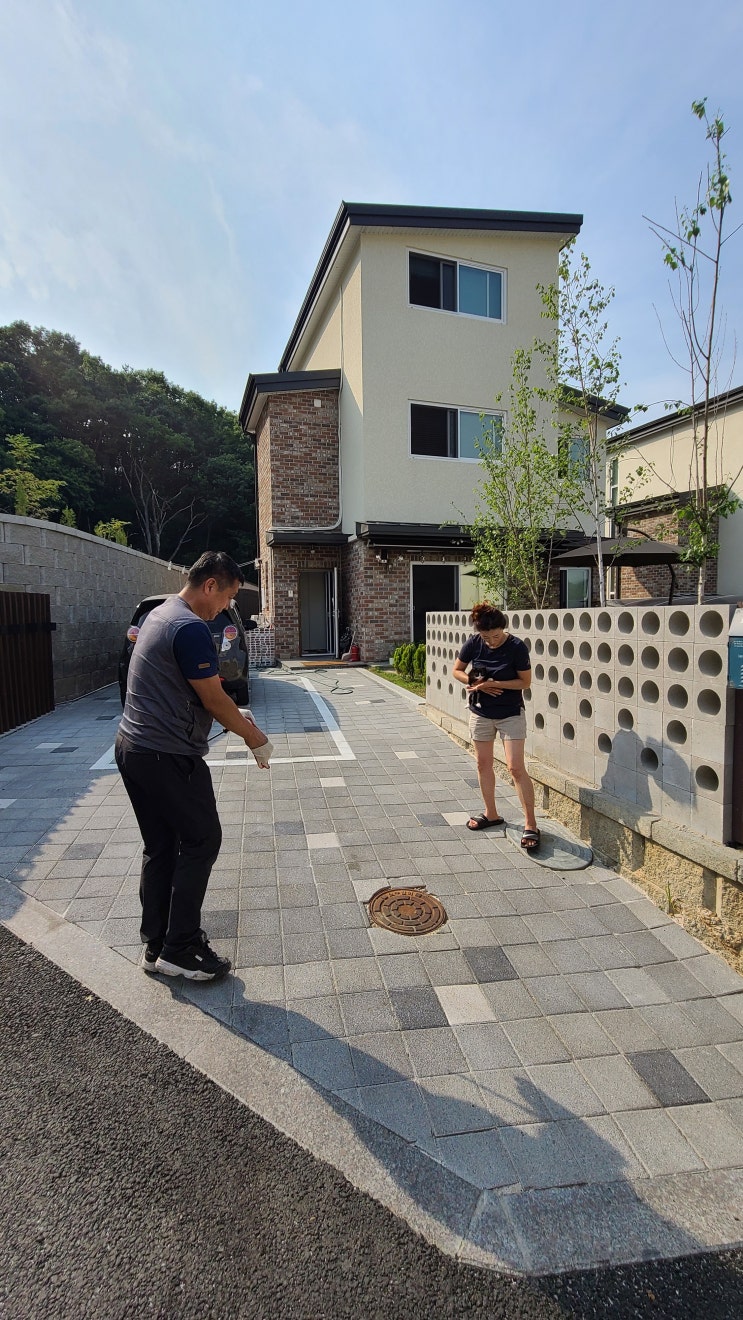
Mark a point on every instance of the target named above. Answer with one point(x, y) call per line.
point(633, 701)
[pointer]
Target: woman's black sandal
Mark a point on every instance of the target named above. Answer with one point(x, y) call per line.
point(483, 822)
point(530, 840)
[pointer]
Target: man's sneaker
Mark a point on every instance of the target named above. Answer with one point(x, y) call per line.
point(198, 962)
point(150, 955)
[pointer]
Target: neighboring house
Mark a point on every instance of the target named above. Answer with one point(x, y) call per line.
point(366, 464)
point(665, 449)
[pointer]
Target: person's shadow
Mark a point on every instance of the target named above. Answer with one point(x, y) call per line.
point(525, 1183)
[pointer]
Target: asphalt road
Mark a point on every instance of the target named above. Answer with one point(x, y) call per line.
point(131, 1186)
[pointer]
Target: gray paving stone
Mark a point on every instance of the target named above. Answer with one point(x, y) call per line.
point(434, 1051)
point(666, 1077)
point(657, 1142)
point(344, 916)
point(261, 921)
point(715, 1074)
point(711, 1132)
point(418, 1007)
point(477, 1156)
point(535, 1041)
point(616, 1083)
point(400, 970)
point(327, 1062)
point(733, 1108)
point(316, 1018)
point(671, 1023)
point(529, 960)
point(524, 901)
point(638, 986)
point(349, 943)
point(298, 920)
point(367, 1011)
point(596, 990)
point(582, 923)
point(308, 947)
point(379, 1058)
point(553, 994)
point(547, 926)
point(510, 1000)
point(485, 1046)
point(734, 1006)
point(258, 897)
point(259, 951)
point(601, 1150)
point(356, 974)
point(263, 984)
point(645, 948)
point(628, 1029)
point(490, 964)
point(565, 1091)
point(677, 983)
point(265, 1023)
point(570, 956)
point(455, 1105)
point(471, 933)
point(709, 1015)
point(733, 1050)
point(608, 951)
point(715, 975)
point(305, 980)
point(680, 943)
point(398, 1106)
point(618, 918)
point(510, 930)
point(511, 1098)
point(541, 1155)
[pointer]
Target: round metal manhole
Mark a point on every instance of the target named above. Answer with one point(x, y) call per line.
point(408, 911)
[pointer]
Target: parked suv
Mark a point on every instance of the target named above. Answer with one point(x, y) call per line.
point(230, 643)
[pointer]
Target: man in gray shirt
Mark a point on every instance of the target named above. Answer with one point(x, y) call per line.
point(173, 695)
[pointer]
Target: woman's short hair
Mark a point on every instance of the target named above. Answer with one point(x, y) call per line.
point(485, 617)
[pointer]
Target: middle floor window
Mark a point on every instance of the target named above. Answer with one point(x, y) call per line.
point(437, 432)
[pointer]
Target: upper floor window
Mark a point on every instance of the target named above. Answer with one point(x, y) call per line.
point(437, 432)
point(453, 286)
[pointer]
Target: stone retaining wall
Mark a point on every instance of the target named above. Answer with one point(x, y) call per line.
point(93, 587)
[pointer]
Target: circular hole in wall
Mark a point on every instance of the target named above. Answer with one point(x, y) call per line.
point(568, 622)
point(526, 621)
point(539, 646)
point(678, 623)
point(586, 680)
point(710, 664)
point(433, 665)
point(649, 759)
point(568, 732)
point(526, 694)
point(625, 687)
point(568, 677)
point(678, 697)
point(539, 672)
point(603, 653)
point(625, 622)
point(710, 624)
point(464, 695)
point(706, 778)
point(708, 702)
point(444, 670)
point(585, 651)
point(585, 709)
point(553, 647)
point(603, 683)
point(451, 689)
point(649, 691)
point(678, 660)
point(603, 743)
point(676, 732)
point(538, 620)
point(553, 622)
point(553, 701)
point(568, 650)
point(625, 719)
point(650, 623)
point(429, 680)
point(527, 643)
point(650, 658)
point(626, 655)
point(538, 721)
point(603, 622)
point(552, 674)
point(514, 620)
point(438, 684)
point(584, 622)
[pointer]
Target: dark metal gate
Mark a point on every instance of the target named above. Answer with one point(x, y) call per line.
point(26, 673)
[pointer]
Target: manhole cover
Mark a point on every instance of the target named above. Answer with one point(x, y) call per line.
point(409, 911)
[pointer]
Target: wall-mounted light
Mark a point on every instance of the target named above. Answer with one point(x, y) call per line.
point(381, 556)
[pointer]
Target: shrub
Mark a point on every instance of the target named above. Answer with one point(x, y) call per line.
point(406, 664)
point(419, 663)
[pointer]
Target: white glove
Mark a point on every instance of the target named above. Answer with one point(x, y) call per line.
point(263, 754)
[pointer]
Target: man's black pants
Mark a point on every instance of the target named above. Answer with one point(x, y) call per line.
point(173, 800)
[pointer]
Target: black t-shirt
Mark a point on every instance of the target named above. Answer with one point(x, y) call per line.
point(504, 662)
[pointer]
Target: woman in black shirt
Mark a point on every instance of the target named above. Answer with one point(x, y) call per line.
point(499, 671)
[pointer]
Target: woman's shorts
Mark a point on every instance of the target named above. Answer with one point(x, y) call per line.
point(512, 727)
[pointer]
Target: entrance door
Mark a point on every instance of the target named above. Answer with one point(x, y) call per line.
point(435, 587)
point(317, 593)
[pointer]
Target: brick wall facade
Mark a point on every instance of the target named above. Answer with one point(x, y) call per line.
point(654, 580)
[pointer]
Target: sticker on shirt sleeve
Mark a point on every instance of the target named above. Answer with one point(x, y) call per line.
point(132, 634)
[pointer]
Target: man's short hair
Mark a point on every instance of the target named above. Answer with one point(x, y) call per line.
point(215, 564)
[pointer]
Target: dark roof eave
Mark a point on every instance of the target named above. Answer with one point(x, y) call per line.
point(284, 382)
point(419, 536)
point(358, 214)
point(718, 402)
point(275, 536)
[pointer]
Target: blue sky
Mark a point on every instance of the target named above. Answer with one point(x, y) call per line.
point(172, 168)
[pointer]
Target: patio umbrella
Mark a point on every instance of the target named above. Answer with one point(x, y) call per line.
point(623, 552)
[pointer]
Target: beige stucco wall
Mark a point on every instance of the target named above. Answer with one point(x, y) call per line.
point(667, 456)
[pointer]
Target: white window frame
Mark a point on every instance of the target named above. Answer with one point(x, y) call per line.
point(476, 265)
point(447, 407)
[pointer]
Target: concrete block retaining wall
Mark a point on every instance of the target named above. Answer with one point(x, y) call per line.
point(93, 587)
point(631, 739)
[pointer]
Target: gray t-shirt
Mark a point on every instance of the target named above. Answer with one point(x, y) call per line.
point(162, 713)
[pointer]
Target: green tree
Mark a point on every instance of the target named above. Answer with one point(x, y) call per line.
point(524, 499)
point(692, 250)
point(31, 496)
point(113, 530)
point(583, 365)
